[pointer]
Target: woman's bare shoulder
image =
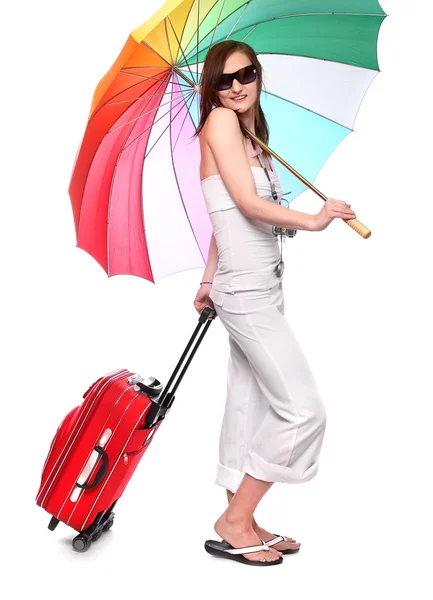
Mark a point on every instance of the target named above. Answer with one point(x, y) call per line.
point(221, 123)
point(222, 116)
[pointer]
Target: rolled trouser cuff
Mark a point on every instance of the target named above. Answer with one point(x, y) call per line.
point(228, 478)
point(260, 469)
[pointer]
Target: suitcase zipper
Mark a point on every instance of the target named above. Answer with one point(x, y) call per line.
point(126, 455)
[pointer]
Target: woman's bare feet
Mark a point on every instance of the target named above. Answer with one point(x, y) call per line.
point(266, 536)
point(240, 534)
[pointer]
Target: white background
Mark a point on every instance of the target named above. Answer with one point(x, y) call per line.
point(360, 308)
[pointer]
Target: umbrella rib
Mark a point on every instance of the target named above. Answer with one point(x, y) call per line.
point(153, 50)
point(183, 122)
point(180, 46)
point(139, 98)
point(158, 54)
point(305, 108)
point(111, 192)
point(186, 20)
point(147, 128)
point(217, 23)
point(178, 186)
point(89, 168)
point(337, 62)
point(148, 77)
point(198, 26)
point(239, 18)
point(289, 16)
point(252, 29)
point(170, 121)
point(121, 92)
point(141, 115)
point(168, 41)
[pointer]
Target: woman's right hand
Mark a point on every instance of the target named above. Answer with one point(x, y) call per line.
point(202, 299)
point(331, 210)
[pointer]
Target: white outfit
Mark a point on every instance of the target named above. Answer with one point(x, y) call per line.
point(274, 420)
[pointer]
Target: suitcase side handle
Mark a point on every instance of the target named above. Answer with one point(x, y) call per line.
point(153, 387)
point(100, 474)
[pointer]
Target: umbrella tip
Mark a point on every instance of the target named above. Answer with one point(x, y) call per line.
point(197, 88)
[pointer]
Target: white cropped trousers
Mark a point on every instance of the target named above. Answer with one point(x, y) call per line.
point(274, 420)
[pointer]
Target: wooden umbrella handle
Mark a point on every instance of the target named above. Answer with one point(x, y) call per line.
point(358, 227)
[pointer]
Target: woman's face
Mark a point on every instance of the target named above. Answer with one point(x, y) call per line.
point(234, 62)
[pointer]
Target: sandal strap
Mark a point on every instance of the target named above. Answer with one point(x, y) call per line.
point(277, 539)
point(248, 549)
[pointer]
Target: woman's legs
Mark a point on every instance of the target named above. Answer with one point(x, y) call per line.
point(245, 409)
point(281, 439)
point(266, 535)
point(235, 524)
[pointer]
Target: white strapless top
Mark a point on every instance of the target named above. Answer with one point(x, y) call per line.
point(248, 251)
point(217, 196)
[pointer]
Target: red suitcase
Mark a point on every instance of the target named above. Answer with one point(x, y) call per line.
point(99, 444)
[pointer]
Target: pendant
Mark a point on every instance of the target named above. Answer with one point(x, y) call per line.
point(280, 269)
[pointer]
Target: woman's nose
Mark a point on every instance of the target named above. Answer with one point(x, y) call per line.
point(236, 86)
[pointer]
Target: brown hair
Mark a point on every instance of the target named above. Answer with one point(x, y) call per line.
point(212, 70)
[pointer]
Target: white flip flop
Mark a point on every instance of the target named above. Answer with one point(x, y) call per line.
point(282, 538)
point(224, 550)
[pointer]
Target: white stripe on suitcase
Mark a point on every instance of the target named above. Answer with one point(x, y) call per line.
point(79, 427)
point(112, 437)
point(112, 469)
point(103, 427)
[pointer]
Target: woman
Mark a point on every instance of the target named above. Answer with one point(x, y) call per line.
point(274, 418)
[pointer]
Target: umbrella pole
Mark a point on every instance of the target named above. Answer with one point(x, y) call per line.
point(353, 223)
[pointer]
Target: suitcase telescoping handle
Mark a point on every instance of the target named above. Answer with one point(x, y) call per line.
point(161, 405)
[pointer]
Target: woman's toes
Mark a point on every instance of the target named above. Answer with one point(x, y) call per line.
point(263, 556)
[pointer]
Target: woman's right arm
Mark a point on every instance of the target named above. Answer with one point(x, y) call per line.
point(224, 138)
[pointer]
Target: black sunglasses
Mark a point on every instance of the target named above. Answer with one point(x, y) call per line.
point(245, 75)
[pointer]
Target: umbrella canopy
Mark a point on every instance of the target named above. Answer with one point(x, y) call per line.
point(135, 189)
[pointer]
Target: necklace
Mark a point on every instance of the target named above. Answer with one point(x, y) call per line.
point(279, 269)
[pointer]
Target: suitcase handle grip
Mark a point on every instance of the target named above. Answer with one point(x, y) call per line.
point(153, 389)
point(207, 313)
point(100, 474)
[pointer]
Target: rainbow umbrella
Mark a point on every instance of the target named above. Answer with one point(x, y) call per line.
point(135, 189)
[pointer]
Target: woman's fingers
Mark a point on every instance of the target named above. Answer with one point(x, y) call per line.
point(340, 209)
point(344, 214)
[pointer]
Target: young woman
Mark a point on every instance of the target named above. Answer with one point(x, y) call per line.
point(274, 419)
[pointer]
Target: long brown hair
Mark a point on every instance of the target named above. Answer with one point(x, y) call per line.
point(212, 70)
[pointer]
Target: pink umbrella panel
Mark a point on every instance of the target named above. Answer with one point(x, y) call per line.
point(138, 216)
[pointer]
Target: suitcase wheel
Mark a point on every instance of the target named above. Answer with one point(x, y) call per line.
point(80, 543)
